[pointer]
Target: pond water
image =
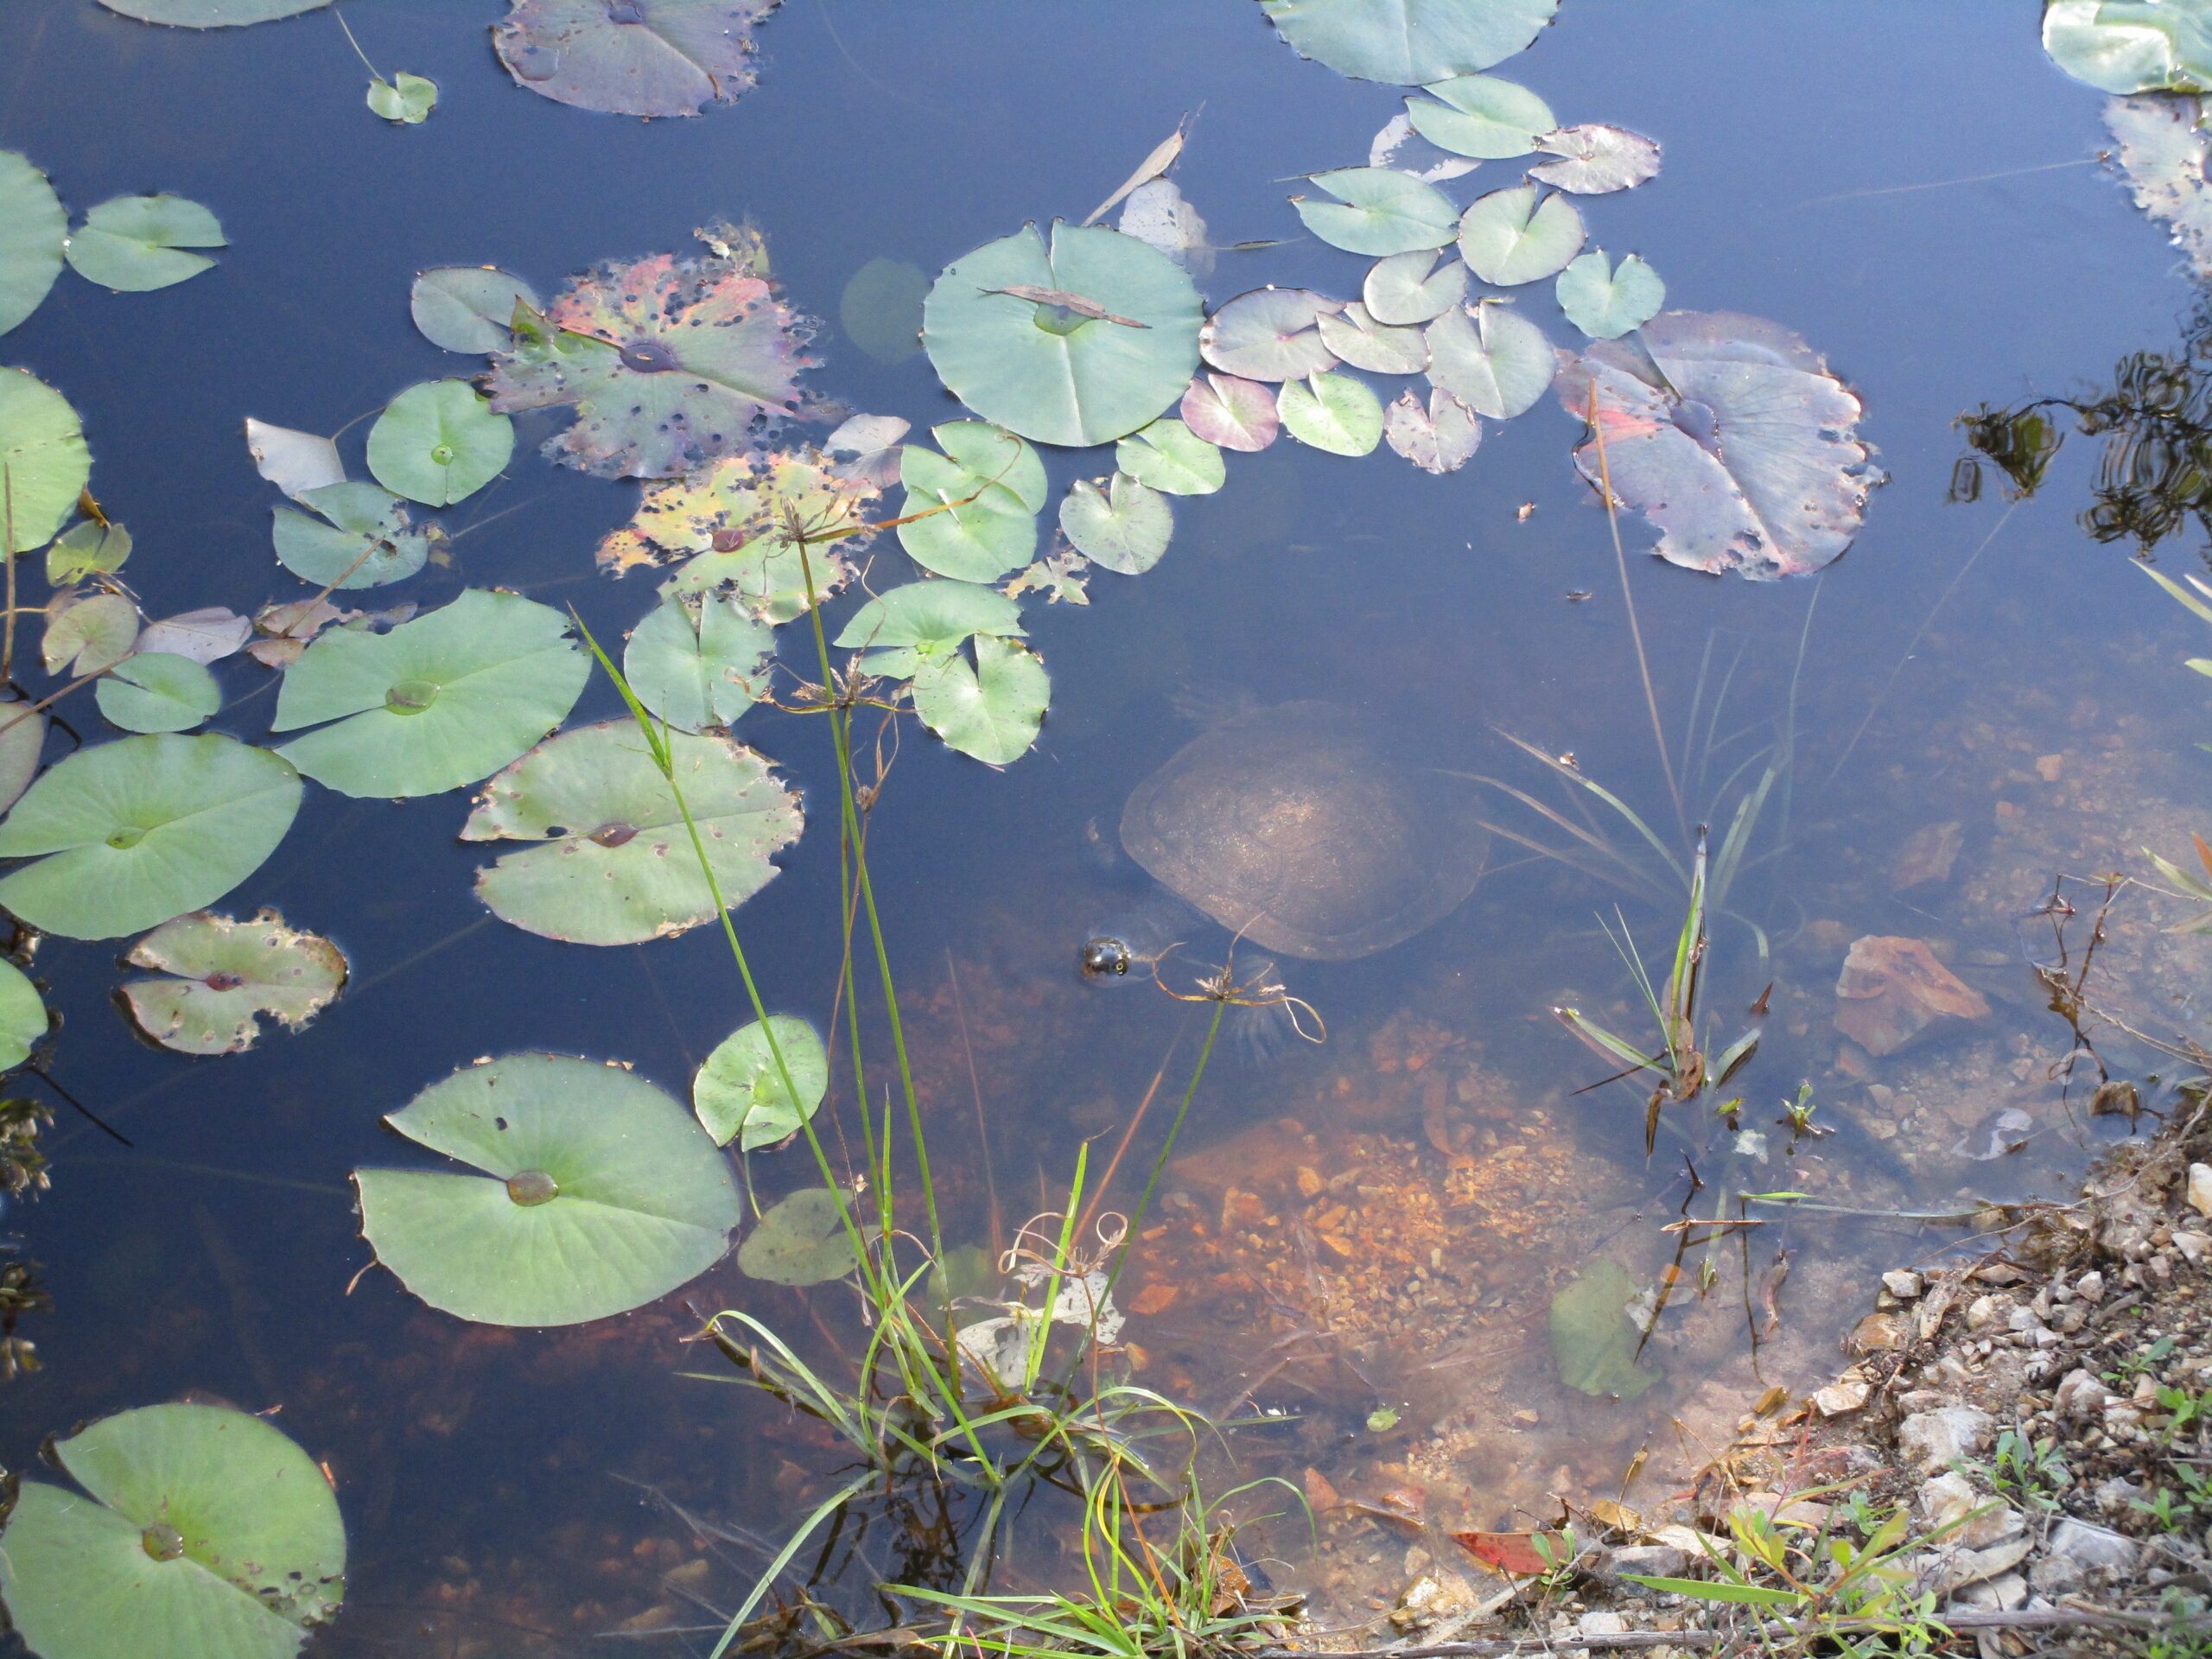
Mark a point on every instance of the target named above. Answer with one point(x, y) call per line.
point(1374, 1224)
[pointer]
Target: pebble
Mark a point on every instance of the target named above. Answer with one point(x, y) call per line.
point(1599, 1622)
point(1934, 1439)
point(1839, 1398)
point(2200, 1188)
point(1904, 1285)
point(2080, 1394)
point(2090, 1546)
point(1652, 1561)
point(1948, 1496)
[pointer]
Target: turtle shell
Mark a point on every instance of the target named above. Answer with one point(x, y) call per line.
point(1290, 827)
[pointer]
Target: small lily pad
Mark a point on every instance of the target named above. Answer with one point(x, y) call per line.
point(800, 1241)
point(1270, 334)
point(991, 708)
point(1593, 160)
point(1380, 348)
point(363, 539)
point(155, 692)
point(1482, 116)
point(1157, 214)
point(1332, 412)
point(88, 548)
point(1605, 302)
point(632, 57)
point(205, 635)
point(86, 635)
point(1231, 412)
point(405, 99)
point(43, 455)
point(1412, 288)
point(881, 309)
point(468, 307)
point(137, 243)
point(1168, 456)
point(2132, 46)
point(998, 482)
point(698, 660)
point(1124, 528)
point(219, 977)
point(919, 621)
point(1378, 211)
point(1510, 237)
point(212, 14)
point(739, 1094)
point(1491, 359)
point(439, 442)
point(294, 462)
point(23, 1019)
point(32, 229)
point(1408, 43)
point(1593, 1340)
point(1441, 437)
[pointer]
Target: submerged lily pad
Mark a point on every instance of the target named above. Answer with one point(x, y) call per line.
point(1332, 412)
point(468, 307)
point(1167, 456)
point(632, 57)
point(1482, 116)
point(668, 364)
point(43, 455)
point(1593, 1340)
point(1593, 160)
point(881, 309)
point(1408, 43)
point(1441, 437)
point(618, 866)
point(137, 243)
point(991, 486)
point(1605, 302)
point(2132, 46)
point(212, 14)
point(1124, 528)
point(1730, 434)
point(32, 228)
point(599, 1193)
point(697, 660)
point(363, 539)
point(1270, 334)
point(156, 692)
point(22, 740)
point(23, 1019)
point(918, 622)
point(440, 702)
point(439, 442)
point(141, 830)
point(1412, 288)
point(800, 1241)
point(208, 1534)
point(1491, 359)
point(1378, 211)
point(1078, 343)
point(220, 976)
point(739, 1094)
point(1510, 237)
point(991, 708)
point(1231, 412)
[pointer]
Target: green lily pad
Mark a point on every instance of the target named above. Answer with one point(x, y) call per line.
point(1332, 412)
point(155, 692)
point(1411, 288)
point(141, 830)
point(1482, 116)
point(1231, 412)
point(599, 1194)
point(1492, 360)
point(212, 14)
point(88, 548)
point(219, 975)
point(739, 1094)
point(2132, 46)
point(1606, 303)
point(1593, 1340)
point(618, 866)
point(137, 243)
point(1270, 334)
point(1378, 211)
point(42, 458)
point(468, 307)
point(1510, 237)
point(294, 462)
point(1438, 437)
point(919, 621)
point(800, 1241)
point(985, 537)
point(697, 660)
point(440, 702)
point(1170, 457)
point(1079, 344)
point(405, 99)
point(1124, 528)
point(23, 1019)
point(32, 229)
point(638, 57)
point(1595, 159)
point(881, 309)
point(209, 1534)
point(1408, 43)
point(22, 741)
point(1380, 348)
point(439, 442)
point(363, 539)
point(89, 634)
point(992, 708)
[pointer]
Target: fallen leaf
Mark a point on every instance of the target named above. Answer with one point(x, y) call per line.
point(1516, 1552)
point(1892, 989)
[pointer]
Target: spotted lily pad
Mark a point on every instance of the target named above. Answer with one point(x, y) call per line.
point(136, 243)
point(1157, 214)
point(208, 1534)
point(800, 1241)
point(1482, 116)
point(440, 702)
point(2132, 46)
point(729, 522)
point(212, 14)
point(1332, 412)
point(1439, 437)
point(991, 486)
point(1510, 237)
point(130, 833)
point(918, 622)
point(632, 57)
point(991, 708)
point(1123, 528)
point(2164, 151)
point(668, 364)
point(597, 1194)
point(1412, 288)
point(739, 1094)
point(1408, 43)
point(1377, 210)
point(1491, 359)
point(43, 462)
point(84, 636)
point(1270, 334)
point(468, 307)
point(1594, 1340)
point(158, 691)
point(219, 975)
point(1605, 302)
point(1231, 412)
point(697, 660)
point(1168, 456)
point(616, 866)
point(439, 442)
point(23, 1019)
point(32, 228)
point(1593, 160)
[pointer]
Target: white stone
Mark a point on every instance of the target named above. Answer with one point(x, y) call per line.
point(1905, 1287)
point(1599, 1623)
point(1949, 1497)
point(1838, 1398)
point(2080, 1394)
point(2090, 1287)
point(2193, 1245)
point(1981, 1312)
point(1934, 1440)
point(2091, 1546)
point(2200, 1188)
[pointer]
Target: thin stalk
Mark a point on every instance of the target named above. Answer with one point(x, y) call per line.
point(1635, 630)
point(8, 548)
point(355, 44)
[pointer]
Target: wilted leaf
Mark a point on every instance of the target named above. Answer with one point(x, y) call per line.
point(1380, 348)
point(1593, 160)
point(881, 309)
point(992, 708)
point(2132, 46)
point(467, 308)
point(1410, 287)
point(632, 57)
point(206, 635)
point(1332, 412)
point(1160, 216)
point(2163, 152)
point(221, 976)
point(43, 460)
point(727, 522)
point(439, 442)
point(1510, 237)
point(1517, 1552)
point(1594, 1340)
point(1230, 412)
point(1408, 43)
point(155, 692)
point(1606, 303)
point(1168, 456)
point(1124, 529)
point(294, 462)
point(1062, 576)
point(739, 1094)
point(1482, 116)
point(1440, 438)
point(32, 229)
point(1491, 359)
point(1378, 211)
point(1270, 334)
point(136, 243)
point(1157, 161)
point(865, 449)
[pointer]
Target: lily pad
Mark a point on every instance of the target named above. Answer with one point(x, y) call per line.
point(405, 99)
point(1354, 336)
point(1730, 434)
point(1170, 457)
point(1440, 438)
point(865, 449)
point(800, 1241)
point(440, 702)
point(294, 462)
point(23, 1019)
point(155, 692)
point(2163, 152)
point(598, 1194)
point(88, 548)
point(1408, 43)
point(363, 538)
point(1230, 412)
point(1605, 302)
point(739, 1094)
point(43, 460)
point(219, 977)
point(998, 482)
point(918, 622)
point(881, 309)
point(991, 708)
point(1077, 343)
point(1124, 528)
point(468, 307)
point(1270, 334)
point(1378, 211)
point(616, 866)
point(1332, 412)
point(1593, 1340)
point(130, 833)
point(697, 660)
point(1412, 288)
point(439, 442)
point(1157, 214)
point(212, 14)
point(32, 229)
point(22, 741)
point(205, 635)
point(1491, 359)
point(209, 1534)
point(1397, 144)
point(730, 519)
point(2132, 46)
point(1510, 237)
point(1593, 159)
point(632, 57)
point(138, 244)
point(668, 364)
point(86, 635)
point(1482, 116)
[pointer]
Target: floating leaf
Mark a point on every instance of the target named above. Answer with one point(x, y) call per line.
point(670, 363)
point(221, 976)
point(865, 449)
point(730, 518)
point(212, 14)
point(1482, 116)
point(22, 740)
point(632, 57)
point(23, 1019)
point(1167, 456)
point(1354, 336)
point(142, 829)
point(32, 229)
point(86, 635)
point(406, 99)
point(881, 309)
point(155, 692)
point(2132, 46)
point(294, 462)
point(1377, 210)
point(43, 462)
point(697, 661)
point(1440, 438)
point(1332, 412)
point(1397, 145)
point(599, 1194)
point(1593, 1340)
point(1518, 1553)
point(1404, 289)
point(1157, 214)
point(1606, 303)
point(1062, 576)
point(918, 622)
point(363, 539)
point(1124, 529)
point(137, 243)
point(1595, 159)
point(1491, 359)
point(1230, 412)
point(998, 482)
point(1508, 237)
point(206, 635)
point(1408, 43)
point(440, 702)
point(439, 442)
point(1740, 448)
point(208, 1535)
point(88, 548)
point(800, 1241)
point(1043, 370)
point(468, 307)
point(741, 1088)
point(1270, 334)
point(618, 866)
point(2163, 152)
point(992, 709)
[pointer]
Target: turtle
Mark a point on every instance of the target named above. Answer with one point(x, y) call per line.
point(1292, 828)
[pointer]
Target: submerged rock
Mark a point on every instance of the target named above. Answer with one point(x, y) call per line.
point(1892, 989)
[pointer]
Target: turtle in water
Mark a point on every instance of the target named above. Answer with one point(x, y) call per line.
point(1292, 828)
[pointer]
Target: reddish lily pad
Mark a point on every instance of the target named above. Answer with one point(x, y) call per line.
point(632, 57)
